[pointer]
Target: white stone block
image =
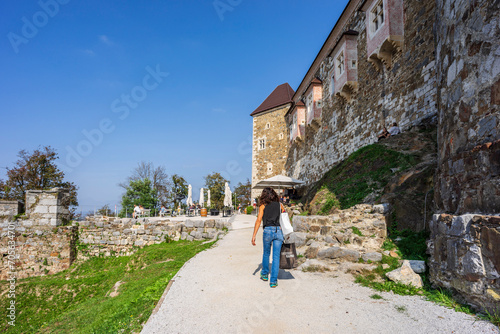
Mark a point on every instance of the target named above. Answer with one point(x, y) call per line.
point(41, 209)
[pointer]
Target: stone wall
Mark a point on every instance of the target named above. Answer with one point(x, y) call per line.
point(468, 60)
point(107, 237)
point(40, 249)
point(347, 235)
point(48, 207)
point(9, 208)
point(271, 160)
point(403, 91)
point(465, 256)
point(37, 244)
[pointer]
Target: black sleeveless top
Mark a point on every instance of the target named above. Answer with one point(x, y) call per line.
point(271, 214)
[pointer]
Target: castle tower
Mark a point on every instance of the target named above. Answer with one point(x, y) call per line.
point(270, 136)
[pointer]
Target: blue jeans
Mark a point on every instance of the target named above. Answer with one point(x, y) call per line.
point(273, 237)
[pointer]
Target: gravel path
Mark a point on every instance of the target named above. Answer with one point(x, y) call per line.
point(219, 291)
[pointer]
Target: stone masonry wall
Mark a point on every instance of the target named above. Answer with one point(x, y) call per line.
point(405, 93)
point(274, 155)
point(39, 249)
point(36, 244)
point(349, 235)
point(111, 237)
point(42, 249)
point(468, 60)
point(465, 256)
point(9, 208)
point(48, 207)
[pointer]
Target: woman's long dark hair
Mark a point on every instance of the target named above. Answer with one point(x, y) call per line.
point(268, 195)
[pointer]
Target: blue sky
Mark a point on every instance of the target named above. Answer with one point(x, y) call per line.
point(111, 83)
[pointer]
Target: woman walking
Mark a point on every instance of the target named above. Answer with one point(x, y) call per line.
point(269, 215)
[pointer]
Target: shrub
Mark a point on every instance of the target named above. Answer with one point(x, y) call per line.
point(249, 209)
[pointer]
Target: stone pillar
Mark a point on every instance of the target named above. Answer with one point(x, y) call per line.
point(48, 207)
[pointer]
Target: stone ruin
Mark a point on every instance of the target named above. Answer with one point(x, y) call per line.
point(46, 242)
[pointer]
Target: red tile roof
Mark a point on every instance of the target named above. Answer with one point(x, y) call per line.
point(280, 96)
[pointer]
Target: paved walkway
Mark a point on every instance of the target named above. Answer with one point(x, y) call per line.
point(219, 291)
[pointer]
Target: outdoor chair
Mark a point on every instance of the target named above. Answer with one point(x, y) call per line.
point(145, 213)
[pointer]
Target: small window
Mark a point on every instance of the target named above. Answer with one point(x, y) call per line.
point(340, 63)
point(262, 144)
point(353, 64)
point(268, 125)
point(269, 168)
point(377, 16)
point(281, 136)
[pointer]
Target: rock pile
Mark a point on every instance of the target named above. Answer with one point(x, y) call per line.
point(347, 236)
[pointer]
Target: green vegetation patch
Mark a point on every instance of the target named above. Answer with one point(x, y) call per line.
point(363, 172)
point(356, 231)
point(101, 295)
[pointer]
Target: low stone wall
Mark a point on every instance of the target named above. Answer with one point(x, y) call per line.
point(39, 249)
point(109, 236)
point(465, 256)
point(9, 209)
point(348, 235)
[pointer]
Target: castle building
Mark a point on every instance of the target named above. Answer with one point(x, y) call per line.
point(405, 61)
point(270, 136)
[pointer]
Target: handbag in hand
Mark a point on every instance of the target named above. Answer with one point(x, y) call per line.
point(286, 227)
point(288, 256)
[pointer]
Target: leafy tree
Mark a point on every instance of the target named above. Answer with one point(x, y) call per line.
point(139, 192)
point(243, 193)
point(158, 178)
point(215, 182)
point(36, 170)
point(179, 190)
point(104, 211)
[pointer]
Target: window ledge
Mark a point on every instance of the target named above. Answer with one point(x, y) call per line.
point(347, 90)
point(384, 53)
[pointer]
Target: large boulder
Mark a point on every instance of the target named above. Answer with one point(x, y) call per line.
point(405, 275)
point(417, 266)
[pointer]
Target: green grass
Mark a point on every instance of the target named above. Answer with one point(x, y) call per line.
point(356, 231)
point(76, 301)
point(400, 308)
point(411, 245)
point(366, 170)
point(493, 317)
point(376, 296)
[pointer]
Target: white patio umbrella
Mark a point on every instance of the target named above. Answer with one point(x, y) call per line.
point(227, 195)
point(202, 198)
point(208, 198)
point(189, 200)
point(278, 181)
